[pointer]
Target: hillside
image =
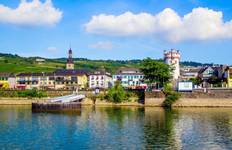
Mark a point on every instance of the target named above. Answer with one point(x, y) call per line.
point(18, 64)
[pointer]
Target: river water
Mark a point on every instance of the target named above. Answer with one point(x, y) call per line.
point(116, 128)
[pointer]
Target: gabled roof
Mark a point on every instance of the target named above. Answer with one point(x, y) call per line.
point(202, 70)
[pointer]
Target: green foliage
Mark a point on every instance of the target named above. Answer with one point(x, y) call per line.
point(156, 71)
point(196, 81)
point(171, 96)
point(215, 81)
point(6, 61)
point(23, 93)
point(117, 94)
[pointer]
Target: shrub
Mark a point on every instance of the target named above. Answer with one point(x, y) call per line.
point(23, 93)
point(117, 94)
point(171, 96)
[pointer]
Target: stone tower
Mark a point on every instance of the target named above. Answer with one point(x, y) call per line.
point(70, 64)
point(172, 58)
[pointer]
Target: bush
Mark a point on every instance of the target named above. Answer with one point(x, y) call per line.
point(31, 93)
point(171, 96)
point(23, 93)
point(117, 94)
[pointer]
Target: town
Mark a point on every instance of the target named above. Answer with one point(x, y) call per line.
point(184, 77)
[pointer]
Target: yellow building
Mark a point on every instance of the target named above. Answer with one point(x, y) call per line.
point(60, 79)
point(229, 77)
point(71, 79)
point(35, 80)
point(82, 81)
point(4, 80)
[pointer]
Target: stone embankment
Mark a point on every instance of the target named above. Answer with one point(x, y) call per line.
point(211, 98)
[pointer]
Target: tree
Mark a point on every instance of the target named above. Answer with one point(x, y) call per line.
point(117, 94)
point(215, 81)
point(196, 81)
point(156, 71)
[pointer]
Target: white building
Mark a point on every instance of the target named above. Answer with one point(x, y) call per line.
point(172, 58)
point(130, 78)
point(40, 60)
point(100, 79)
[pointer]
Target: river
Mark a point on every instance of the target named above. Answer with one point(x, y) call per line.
point(116, 128)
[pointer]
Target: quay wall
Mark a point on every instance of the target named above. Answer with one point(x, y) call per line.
point(193, 99)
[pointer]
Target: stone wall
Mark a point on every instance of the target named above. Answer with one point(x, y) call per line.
point(194, 94)
point(193, 99)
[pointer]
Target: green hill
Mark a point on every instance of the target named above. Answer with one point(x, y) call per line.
point(17, 64)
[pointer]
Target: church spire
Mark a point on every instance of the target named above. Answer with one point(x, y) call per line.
point(70, 64)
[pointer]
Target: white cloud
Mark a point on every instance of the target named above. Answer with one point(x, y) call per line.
point(52, 49)
point(104, 45)
point(34, 13)
point(200, 24)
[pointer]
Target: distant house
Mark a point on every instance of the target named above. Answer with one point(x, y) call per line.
point(40, 60)
point(210, 74)
point(187, 73)
point(100, 79)
point(130, 77)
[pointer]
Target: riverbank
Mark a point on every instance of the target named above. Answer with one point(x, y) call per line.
point(20, 101)
point(150, 102)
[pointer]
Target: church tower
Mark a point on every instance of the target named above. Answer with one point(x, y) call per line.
point(70, 64)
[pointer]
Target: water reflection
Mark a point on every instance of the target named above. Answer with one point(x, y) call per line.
point(116, 128)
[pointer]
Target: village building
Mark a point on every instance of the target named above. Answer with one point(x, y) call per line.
point(172, 58)
point(188, 73)
point(211, 75)
point(7, 80)
point(100, 79)
point(130, 78)
point(70, 79)
point(35, 80)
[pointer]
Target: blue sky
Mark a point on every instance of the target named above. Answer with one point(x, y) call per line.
point(50, 32)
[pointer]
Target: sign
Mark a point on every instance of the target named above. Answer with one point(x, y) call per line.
point(185, 86)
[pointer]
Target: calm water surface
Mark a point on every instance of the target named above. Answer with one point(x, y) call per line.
point(116, 128)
